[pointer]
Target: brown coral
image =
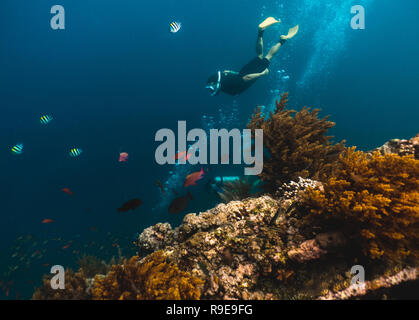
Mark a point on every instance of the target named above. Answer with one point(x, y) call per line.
point(154, 278)
point(297, 144)
point(376, 198)
point(76, 288)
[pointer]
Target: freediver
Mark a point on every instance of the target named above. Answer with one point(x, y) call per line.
point(234, 83)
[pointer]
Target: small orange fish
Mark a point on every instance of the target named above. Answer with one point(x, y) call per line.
point(192, 178)
point(123, 157)
point(47, 221)
point(68, 191)
point(66, 246)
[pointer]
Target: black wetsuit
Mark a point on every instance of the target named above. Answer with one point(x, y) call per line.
point(233, 83)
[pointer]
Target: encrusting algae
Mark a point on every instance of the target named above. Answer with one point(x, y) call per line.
point(154, 278)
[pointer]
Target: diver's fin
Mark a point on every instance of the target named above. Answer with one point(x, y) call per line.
point(291, 33)
point(268, 22)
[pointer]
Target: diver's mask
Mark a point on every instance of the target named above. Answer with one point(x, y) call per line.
point(215, 88)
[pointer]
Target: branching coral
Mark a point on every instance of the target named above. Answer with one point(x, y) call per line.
point(376, 199)
point(297, 144)
point(75, 288)
point(153, 278)
point(91, 266)
point(236, 190)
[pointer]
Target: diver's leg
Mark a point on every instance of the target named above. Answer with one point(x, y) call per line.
point(265, 24)
point(291, 33)
point(275, 49)
point(259, 44)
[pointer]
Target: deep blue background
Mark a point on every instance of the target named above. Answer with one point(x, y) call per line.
point(115, 76)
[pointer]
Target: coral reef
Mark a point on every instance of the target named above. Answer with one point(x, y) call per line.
point(376, 199)
point(299, 242)
point(76, 288)
point(154, 238)
point(408, 274)
point(402, 147)
point(302, 242)
point(308, 250)
point(261, 248)
point(152, 278)
point(297, 145)
point(293, 189)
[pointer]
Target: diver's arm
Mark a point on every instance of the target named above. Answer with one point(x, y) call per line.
point(229, 71)
point(254, 76)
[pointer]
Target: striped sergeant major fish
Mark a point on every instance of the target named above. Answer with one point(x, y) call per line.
point(45, 119)
point(75, 152)
point(175, 27)
point(17, 149)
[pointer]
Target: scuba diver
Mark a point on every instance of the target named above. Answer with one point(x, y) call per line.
point(234, 83)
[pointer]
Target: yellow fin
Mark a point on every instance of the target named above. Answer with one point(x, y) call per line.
point(268, 22)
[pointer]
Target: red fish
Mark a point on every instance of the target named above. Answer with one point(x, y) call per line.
point(123, 157)
point(192, 178)
point(68, 191)
point(66, 246)
point(47, 221)
point(183, 154)
point(130, 205)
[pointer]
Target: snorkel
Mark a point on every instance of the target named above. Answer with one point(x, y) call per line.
point(215, 88)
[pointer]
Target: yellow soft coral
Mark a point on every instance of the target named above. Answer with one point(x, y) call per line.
point(154, 278)
point(377, 197)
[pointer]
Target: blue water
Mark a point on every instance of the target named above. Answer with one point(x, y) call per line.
point(116, 75)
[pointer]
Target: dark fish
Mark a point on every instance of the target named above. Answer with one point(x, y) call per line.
point(179, 204)
point(130, 205)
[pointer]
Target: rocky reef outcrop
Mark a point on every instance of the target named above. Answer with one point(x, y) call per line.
point(401, 147)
